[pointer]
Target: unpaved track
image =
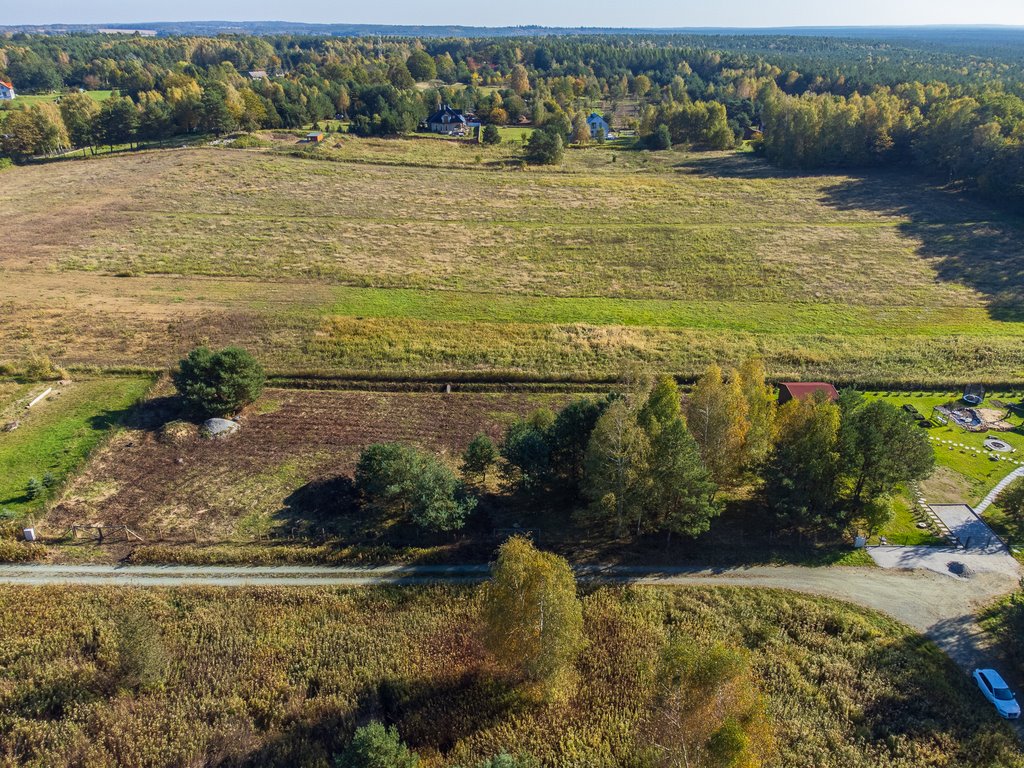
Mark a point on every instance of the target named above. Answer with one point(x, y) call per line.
point(939, 606)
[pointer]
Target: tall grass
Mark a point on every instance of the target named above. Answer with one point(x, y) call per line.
point(266, 676)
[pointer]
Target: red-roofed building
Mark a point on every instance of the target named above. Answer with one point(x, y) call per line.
point(801, 390)
point(6, 91)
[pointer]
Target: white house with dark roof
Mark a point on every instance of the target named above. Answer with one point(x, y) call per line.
point(6, 91)
point(447, 120)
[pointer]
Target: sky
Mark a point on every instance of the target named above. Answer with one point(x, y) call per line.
point(594, 13)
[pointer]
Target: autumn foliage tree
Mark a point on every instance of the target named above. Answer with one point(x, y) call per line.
point(716, 413)
point(533, 619)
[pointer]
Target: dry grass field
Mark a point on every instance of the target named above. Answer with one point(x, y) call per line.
point(283, 676)
point(428, 256)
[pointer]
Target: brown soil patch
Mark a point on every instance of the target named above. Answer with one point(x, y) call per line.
point(282, 471)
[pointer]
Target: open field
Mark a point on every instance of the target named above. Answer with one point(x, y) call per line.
point(283, 676)
point(428, 256)
point(57, 434)
point(26, 99)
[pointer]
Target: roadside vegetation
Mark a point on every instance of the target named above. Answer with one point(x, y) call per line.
point(408, 676)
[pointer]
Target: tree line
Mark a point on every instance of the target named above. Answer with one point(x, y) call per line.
point(821, 102)
point(641, 460)
point(645, 461)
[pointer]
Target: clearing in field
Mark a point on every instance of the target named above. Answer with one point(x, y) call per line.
point(347, 259)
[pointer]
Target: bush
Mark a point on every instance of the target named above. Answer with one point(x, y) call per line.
point(403, 481)
point(376, 746)
point(219, 383)
point(661, 138)
point(35, 489)
point(249, 141)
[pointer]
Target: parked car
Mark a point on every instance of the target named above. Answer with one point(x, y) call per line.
point(998, 692)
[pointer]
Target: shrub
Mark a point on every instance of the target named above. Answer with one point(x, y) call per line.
point(376, 746)
point(35, 489)
point(249, 141)
point(661, 138)
point(219, 383)
point(401, 480)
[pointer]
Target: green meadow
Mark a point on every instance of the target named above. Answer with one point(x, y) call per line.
point(54, 437)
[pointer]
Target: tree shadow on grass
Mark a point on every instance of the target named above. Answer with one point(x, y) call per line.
point(965, 241)
point(932, 700)
point(431, 715)
point(149, 415)
point(329, 503)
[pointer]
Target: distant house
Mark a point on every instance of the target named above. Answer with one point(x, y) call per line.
point(974, 394)
point(801, 390)
point(315, 137)
point(447, 120)
point(6, 91)
point(258, 74)
point(598, 126)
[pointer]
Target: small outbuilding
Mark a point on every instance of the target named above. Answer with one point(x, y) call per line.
point(315, 137)
point(258, 74)
point(974, 394)
point(6, 91)
point(801, 390)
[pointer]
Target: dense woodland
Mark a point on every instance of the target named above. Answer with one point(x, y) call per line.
point(807, 102)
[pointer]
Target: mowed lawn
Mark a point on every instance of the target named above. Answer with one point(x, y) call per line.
point(433, 256)
point(56, 434)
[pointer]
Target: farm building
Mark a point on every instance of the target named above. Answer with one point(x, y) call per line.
point(315, 137)
point(598, 126)
point(974, 394)
point(258, 74)
point(6, 91)
point(801, 390)
point(447, 120)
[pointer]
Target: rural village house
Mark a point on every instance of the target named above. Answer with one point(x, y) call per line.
point(447, 120)
point(598, 126)
point(6, 91)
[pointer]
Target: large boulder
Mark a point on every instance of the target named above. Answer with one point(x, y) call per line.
point(220, 427)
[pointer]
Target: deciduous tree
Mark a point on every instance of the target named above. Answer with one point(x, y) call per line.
point(533, 618)
point(716, 413)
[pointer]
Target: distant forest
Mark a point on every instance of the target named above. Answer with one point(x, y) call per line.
point(950, 105)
